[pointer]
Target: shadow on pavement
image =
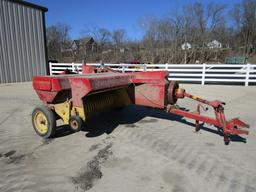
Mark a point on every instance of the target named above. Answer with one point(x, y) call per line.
point(131, 116)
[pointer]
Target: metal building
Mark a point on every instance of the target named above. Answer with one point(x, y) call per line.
point(23, 51)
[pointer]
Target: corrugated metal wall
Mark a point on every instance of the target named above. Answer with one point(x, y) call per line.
point(22, 43)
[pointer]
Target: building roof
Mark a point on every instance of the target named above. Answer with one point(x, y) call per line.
point(84, 40)
point(87, 39)
point(214, 42)
point(44, 9)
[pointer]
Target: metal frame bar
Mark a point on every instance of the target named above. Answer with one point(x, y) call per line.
point(232, 127)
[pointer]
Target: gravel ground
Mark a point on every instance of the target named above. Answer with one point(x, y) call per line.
point(135, 149)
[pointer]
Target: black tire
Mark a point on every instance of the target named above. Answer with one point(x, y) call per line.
point(75, 123)
point(173, 86)
point(51, 121)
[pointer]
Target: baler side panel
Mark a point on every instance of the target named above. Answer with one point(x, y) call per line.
point(81, 86)
point(41, 83)
point(46, 96)
point(47, 88)
point(149, 89)
point(158, 75)
point(151, 95)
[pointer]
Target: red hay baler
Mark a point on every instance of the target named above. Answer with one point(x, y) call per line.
point(76, 97)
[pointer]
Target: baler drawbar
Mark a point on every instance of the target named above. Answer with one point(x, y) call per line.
point(74, 98)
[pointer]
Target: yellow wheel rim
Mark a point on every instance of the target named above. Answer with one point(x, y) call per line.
point(41, 122)
point(74, 124)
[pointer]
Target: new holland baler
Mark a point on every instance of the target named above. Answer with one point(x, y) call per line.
point(75, 98)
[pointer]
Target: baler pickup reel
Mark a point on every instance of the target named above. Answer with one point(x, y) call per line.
point(233, 127)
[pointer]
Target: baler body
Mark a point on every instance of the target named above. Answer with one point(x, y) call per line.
point(76, 97)
point(146, 88)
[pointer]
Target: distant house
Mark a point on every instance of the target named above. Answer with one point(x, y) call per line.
point(75, 45)
point(186, 46)
point(107, 51)
point(214, 45)
point(121, 50)
point(124, 49)
point(86, 45)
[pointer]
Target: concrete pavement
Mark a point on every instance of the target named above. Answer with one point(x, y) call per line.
point(135, 149)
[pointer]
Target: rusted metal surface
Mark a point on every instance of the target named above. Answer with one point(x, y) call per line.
point(99, 89)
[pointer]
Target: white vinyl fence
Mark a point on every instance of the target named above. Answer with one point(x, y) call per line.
point(202, 73)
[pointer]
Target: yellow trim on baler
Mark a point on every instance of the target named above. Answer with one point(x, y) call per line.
point(78, 111)
point(63, 110)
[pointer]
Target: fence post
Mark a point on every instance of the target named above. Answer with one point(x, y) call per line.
point(203, 74)
point(145, 67)
point(73, 67)
point(166, 66)
point(123, 68)
point(50, 68)
point(248, 66)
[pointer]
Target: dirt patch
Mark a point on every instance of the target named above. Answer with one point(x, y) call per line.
point(16, 159)
point(12, 157)
point(9, 153)
point(87, 178)
point(94, 147)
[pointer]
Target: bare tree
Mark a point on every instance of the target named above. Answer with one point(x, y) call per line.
point(197, 24)
point(244, 17)
point(249, 24)
point(236, 16)
point(215, 13)
point(150, 27)
point(58, 40)
point(101, 35)
point(118, 36)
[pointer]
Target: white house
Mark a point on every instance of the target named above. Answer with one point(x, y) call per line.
point(186, 46)
point(214, 44)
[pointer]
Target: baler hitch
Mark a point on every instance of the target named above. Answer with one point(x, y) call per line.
point(228, 128)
